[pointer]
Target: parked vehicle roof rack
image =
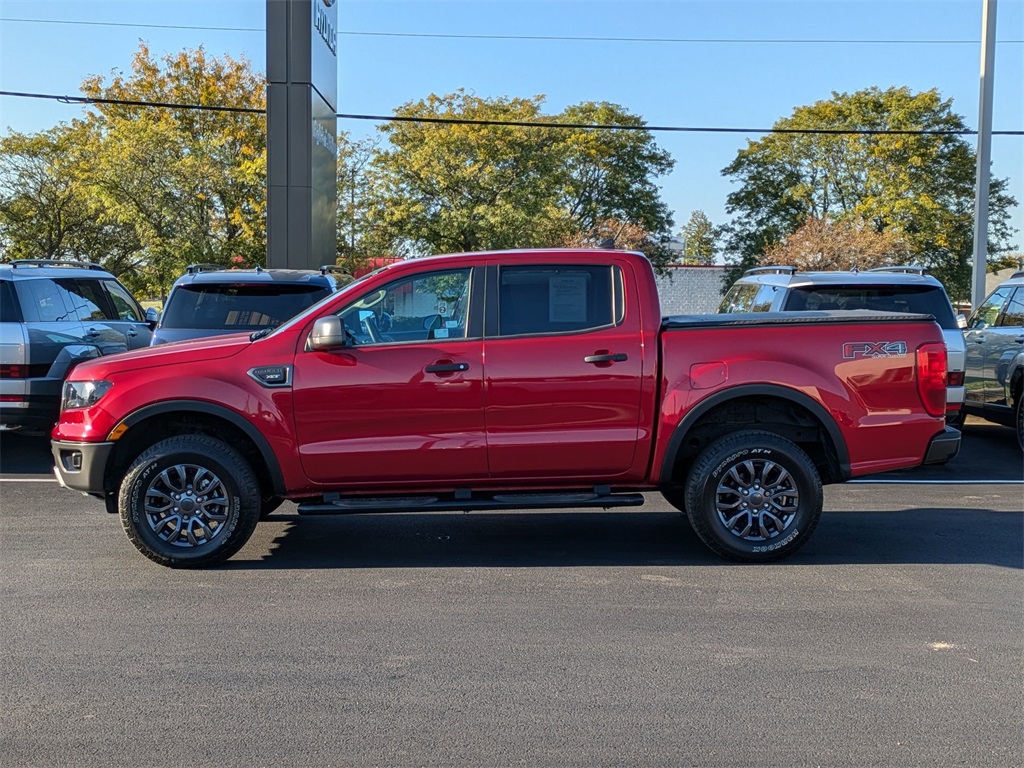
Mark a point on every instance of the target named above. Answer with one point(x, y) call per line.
point(909, 269)
point(55, 263)
point(193, 269)
point(1018, 274)
point(771, 270)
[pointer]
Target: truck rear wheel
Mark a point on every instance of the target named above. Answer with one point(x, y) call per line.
point(753, 496)
point(676, 496)
point(189, 501)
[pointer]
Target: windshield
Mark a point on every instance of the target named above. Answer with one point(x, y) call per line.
point(238, 306)
point(314, 308)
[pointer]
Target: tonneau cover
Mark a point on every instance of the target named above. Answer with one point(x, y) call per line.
point(724, 320)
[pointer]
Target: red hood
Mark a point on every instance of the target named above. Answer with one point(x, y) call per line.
point(163, 356)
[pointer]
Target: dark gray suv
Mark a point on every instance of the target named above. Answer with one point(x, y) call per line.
point(211, 300)
point(54, 314)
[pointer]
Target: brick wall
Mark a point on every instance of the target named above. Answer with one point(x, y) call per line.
point(690, 290)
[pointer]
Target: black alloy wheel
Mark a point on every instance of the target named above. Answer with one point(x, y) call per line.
point(753, 496)
point(189, 501)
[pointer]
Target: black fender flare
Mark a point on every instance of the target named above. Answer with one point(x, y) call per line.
point(756, 390)
point(220, 411)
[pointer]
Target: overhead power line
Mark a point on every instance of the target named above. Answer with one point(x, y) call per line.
point(516, 123)
point(727, 40)
point(555, 38)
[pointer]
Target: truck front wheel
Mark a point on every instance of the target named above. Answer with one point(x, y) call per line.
point(189, 501)
point(753, 496)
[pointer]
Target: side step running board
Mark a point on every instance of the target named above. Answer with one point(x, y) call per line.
point(341, 505)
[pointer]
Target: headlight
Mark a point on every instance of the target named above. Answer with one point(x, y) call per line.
point(82, 394)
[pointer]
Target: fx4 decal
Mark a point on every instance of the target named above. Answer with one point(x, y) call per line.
point(852, 349)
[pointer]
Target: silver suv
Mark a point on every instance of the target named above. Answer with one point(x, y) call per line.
point(886, 289)
point(995, 357)
point(54, 314)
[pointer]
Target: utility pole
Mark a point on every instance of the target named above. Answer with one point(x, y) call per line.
point(988, 71)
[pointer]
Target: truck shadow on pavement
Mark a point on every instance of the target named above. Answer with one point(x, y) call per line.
point(561, 539)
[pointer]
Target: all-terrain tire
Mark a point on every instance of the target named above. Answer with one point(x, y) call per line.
point(189, 501)
point(676, 496)
point(269, 505)
point(753, 496)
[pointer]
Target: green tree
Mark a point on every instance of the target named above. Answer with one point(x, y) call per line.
point(46, 207)
point(458, 187)
point(609, 174)
point(700, 239)
point(920, 186)
point(190, 182)
point(463, 187)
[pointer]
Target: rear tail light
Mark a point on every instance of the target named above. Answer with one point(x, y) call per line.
point(931, 377)
point(19, 371)
point(956, 378)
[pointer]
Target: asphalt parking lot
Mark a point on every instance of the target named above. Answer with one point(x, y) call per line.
point(543, 638)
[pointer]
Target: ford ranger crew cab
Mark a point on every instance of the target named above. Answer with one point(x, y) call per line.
point(505, 381)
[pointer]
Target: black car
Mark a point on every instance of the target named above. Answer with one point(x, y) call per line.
point(54, 314)
point(210, 300)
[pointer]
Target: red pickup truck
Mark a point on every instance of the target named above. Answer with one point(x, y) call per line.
point(504, 380)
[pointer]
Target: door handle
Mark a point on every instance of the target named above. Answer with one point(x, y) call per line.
point(447, 367)
point(608, 357)
point(132, 332)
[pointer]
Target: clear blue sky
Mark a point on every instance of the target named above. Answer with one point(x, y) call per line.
point(711, 84)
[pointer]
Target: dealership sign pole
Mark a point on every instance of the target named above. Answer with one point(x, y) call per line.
point(302, 129)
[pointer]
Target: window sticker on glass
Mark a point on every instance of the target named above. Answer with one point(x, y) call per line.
point(567, 299)
point(440, 333)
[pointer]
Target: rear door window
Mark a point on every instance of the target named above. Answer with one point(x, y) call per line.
point(739, 298)
point(238, 306)
point(566, 299)
point(86, 299)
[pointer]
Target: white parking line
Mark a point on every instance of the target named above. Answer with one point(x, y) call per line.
point(27, 480)
point(937, 482)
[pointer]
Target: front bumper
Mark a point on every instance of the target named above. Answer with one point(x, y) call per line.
point(81, 466)
point(943, 447)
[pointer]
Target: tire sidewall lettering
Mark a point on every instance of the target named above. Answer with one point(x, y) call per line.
point(136, 505)
point(137, 502)
point(722, 456)
point(778, 545)
point(725, 464)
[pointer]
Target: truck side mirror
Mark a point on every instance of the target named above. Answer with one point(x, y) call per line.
point(152, 317)
point(327, 333)
point(961, 321)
